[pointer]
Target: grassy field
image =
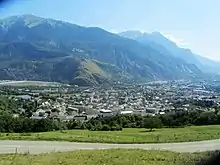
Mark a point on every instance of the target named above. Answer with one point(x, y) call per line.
point(194, 133)
point(105, 157)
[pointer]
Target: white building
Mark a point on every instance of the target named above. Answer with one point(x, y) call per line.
point(104, 112)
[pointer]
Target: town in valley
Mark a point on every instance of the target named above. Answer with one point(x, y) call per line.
point(39, 100)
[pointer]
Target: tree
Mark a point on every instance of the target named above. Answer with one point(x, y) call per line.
point(116, 128)
point(152, 122)
point(106, 127)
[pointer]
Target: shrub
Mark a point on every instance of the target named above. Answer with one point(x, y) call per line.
point(106, 127)
point(116, 128)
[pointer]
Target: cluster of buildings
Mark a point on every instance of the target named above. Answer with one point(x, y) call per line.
point(145, 99)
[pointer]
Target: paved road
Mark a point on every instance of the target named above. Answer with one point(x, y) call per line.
point(36, 147)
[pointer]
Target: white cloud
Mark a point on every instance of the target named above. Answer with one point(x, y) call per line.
point(198, 50)
point(113, 31)
point(214, 57)
point(179, 41)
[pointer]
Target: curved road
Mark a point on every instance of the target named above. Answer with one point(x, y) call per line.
point(37, 147)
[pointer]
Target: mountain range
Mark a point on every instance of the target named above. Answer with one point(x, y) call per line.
point(161, 43)
point(34, 48)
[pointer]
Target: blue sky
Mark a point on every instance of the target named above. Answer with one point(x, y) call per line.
point(193, 24)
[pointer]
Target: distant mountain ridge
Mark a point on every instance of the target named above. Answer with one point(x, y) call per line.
point(157, 40)
point(34, 48)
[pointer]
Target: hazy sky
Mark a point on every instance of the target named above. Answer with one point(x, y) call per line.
point(193, 24)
